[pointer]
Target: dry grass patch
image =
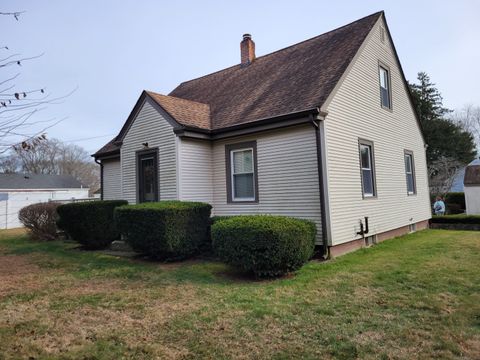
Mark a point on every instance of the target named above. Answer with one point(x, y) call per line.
point(415, 297)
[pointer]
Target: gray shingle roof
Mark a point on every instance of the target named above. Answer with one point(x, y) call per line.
point(38, 181)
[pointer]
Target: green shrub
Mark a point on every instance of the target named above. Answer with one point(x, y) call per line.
point(40, 220)
point(456, 219)
point(455, 202)
point(90, 223)
point(263, 244)
point(165, 229)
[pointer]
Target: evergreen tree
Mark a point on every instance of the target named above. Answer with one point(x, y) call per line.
point(445, 139)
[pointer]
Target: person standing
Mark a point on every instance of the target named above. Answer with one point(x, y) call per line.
point(439, 206)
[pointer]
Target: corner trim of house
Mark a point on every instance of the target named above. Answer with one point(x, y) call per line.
point(349, 246)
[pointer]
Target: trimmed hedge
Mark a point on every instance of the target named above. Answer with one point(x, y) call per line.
point(165, 229)
point(263, 244)
point(90, 223)
point(455, 202)
point(456, 219)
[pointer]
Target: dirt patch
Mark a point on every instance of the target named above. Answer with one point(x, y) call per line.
point(17, 274)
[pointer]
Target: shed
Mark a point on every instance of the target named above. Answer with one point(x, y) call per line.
point(471, 183)
point(20, 190)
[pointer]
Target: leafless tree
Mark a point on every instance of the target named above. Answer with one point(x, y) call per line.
point(442, 173)
point(469, 118)
point(19, 107)
point(52, 156)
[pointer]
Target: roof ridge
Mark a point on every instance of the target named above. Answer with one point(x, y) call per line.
point(175, 97)
point(378, 13)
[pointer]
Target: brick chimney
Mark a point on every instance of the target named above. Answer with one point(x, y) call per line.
point(247, 50)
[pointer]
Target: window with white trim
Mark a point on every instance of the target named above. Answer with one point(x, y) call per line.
point(410, 172)
point(367, 168)
point(385, 96)
point(243, 174)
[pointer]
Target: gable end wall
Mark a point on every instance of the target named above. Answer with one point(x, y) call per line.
point(150, 126)
point(355, 112)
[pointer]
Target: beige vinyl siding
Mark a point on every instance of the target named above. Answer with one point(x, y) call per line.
point(150, 126)
point(195, 169)
point(355, 112)
point(112, 179)
point(287, 175)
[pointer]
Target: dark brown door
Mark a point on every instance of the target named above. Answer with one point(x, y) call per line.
point(147, 176)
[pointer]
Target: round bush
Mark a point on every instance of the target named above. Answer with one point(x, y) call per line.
point(40, 219)
point(90, 223)
point(165, 229)
point(263, 244)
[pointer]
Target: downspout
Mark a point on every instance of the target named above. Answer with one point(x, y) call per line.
point(101, 177)
point(321, 179)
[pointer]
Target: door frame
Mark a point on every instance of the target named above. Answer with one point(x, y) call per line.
point(138, 155)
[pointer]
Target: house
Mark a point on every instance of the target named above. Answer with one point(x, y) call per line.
point(324, 130)
point(471, 183)
point(457, 184)
point(20, 190)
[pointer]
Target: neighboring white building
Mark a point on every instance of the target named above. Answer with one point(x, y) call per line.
point(324, 130)
point(471, 187)
point(20, 190)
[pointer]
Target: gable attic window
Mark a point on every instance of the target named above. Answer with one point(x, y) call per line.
point(410, 172)
point(382, 34)
point(241, 169)
point(385, 88)
point(367, 168)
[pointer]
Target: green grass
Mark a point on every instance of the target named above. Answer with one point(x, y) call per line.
point(413, 297)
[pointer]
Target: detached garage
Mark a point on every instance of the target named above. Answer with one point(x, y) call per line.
point(19, 190)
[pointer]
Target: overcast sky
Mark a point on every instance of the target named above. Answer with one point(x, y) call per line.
point(112, 50)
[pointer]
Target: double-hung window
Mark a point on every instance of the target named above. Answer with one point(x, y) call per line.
point(410, 172)
point(241, 172)
point(385, 96)
point(367, 168)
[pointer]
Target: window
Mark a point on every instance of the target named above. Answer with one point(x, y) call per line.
point(385, 98)
point(242, 180)
point(382, 35)
point(367, 168)
point(410, 172)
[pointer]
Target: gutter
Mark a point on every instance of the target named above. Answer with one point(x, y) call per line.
point(321, 181)
point(101, 177)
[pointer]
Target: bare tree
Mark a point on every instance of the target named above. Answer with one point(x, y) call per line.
point(19, 107)
point(442, 173)
point(52, 156)
point(469, 118)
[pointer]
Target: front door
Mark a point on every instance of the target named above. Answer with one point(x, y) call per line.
point(147, 176)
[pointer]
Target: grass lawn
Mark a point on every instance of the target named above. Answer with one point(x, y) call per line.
point(414, 297)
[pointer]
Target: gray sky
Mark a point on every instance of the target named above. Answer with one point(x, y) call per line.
point(112, 50)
